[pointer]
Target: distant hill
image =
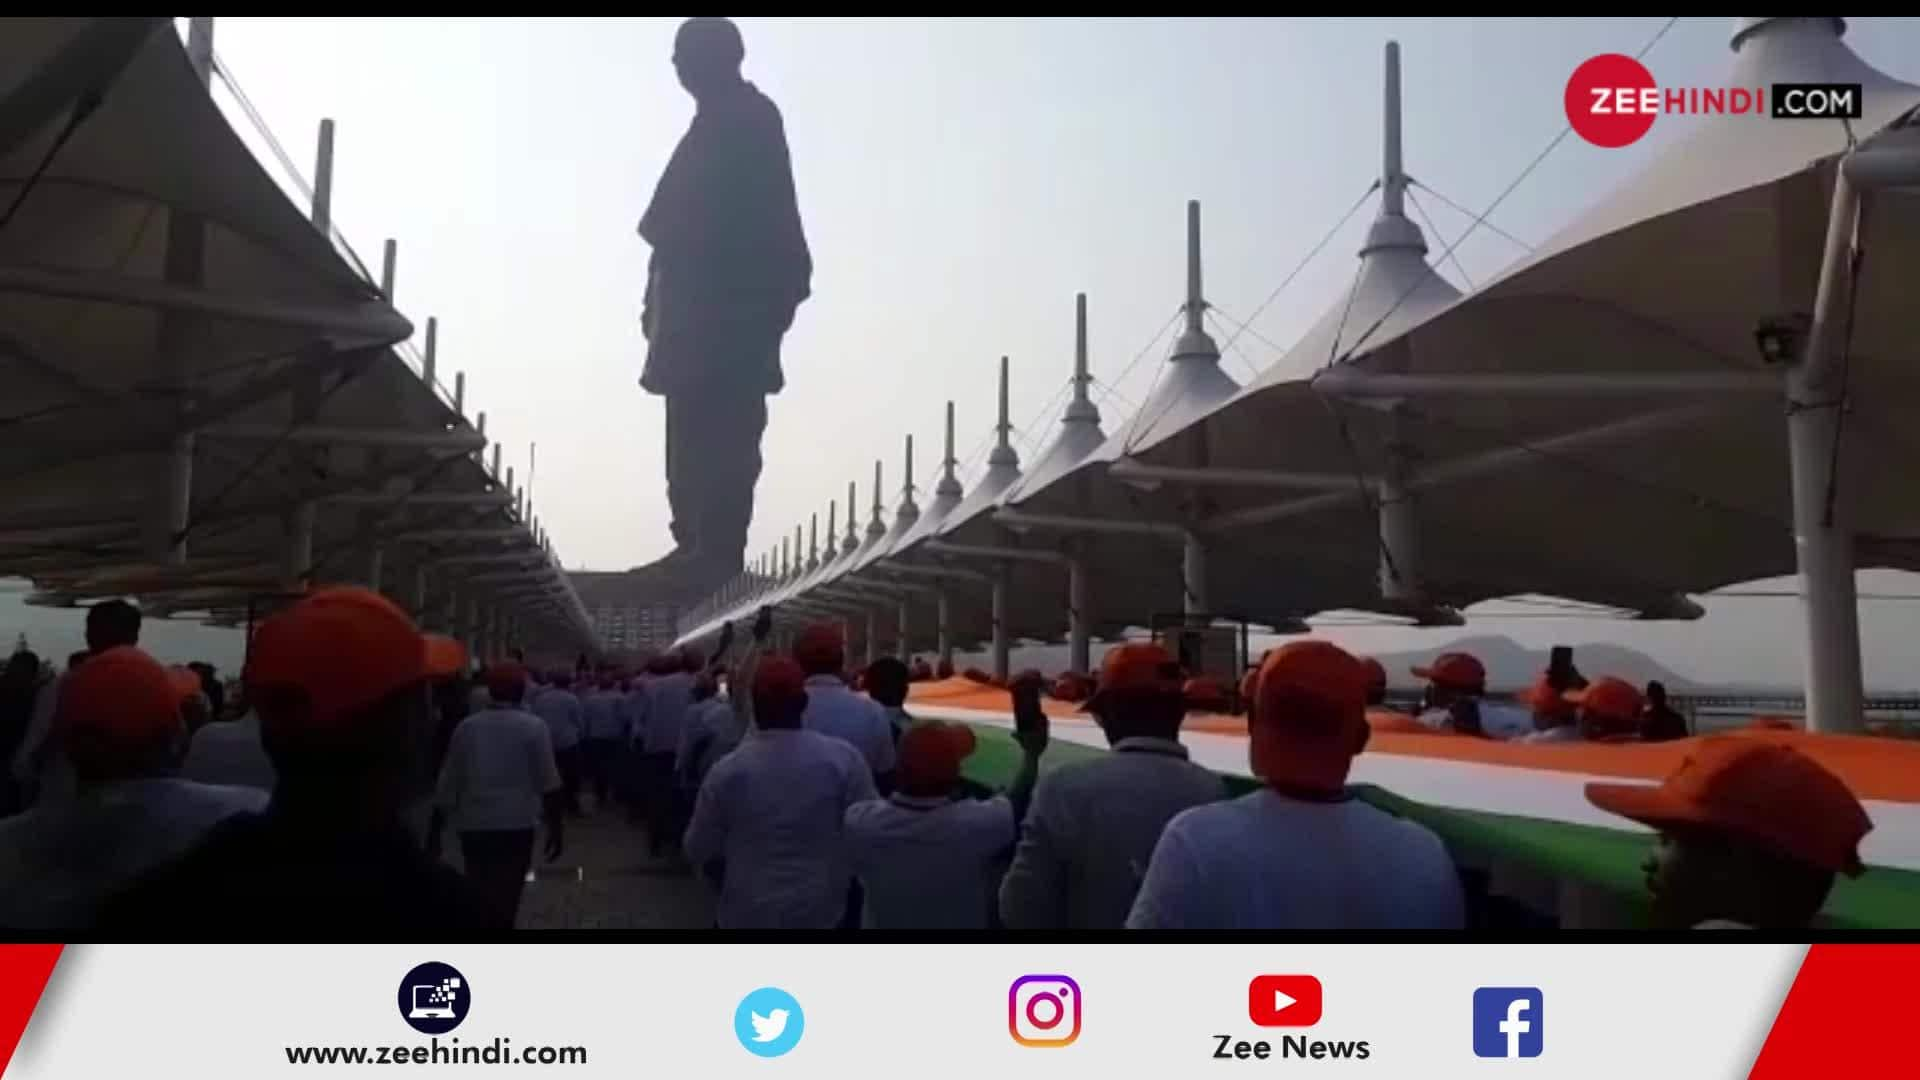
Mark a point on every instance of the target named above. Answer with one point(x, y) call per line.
point(1509, 664)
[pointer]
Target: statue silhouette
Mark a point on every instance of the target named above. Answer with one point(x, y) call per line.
point(729, 266)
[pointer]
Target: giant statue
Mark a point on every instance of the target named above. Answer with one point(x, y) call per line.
point(729, 267)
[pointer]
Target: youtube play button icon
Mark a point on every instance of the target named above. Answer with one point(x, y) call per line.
point(1284, 1000)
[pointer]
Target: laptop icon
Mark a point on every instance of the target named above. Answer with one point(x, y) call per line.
point(434, 1001)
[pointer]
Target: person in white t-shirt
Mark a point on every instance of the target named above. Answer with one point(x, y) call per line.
point(710, 734)
point(925, 859)
point(769, 817)
point(1301, 853)
point(230, 752)
point(835, 709)
point(604, 731)
point(887, 682)
point(565, 717)
point(119, 727)
point(1085, 843)
point(498, 782)
point(39, 768)
point(669, 699)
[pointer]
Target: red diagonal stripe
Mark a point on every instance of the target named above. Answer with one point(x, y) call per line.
point(1849, 1013)
point(24, 970)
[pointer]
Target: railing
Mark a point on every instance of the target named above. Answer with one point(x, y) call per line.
point(254, 132)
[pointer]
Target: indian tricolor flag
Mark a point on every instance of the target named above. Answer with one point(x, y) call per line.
point(1520, 811)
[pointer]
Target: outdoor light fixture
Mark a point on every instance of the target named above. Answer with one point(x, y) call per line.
point(1781, 339)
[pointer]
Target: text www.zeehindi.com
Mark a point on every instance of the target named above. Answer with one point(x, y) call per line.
point(498, 1052)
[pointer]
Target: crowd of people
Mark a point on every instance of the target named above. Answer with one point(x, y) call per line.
point(357, 743)
point(1560, 706)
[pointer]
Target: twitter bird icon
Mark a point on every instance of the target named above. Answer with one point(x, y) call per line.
point(768, 1028)
point(769, 1022)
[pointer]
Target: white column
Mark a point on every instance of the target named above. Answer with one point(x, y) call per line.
point(1823, 537)
point(1400, 578)
point(200, 47)
point(323, 180)
point(179, 513)
point(1193, 576)
point(944, 616)
point(389, 258)
point(306, 393)
point(429, 352)
point(1393, 178)
point(873, 635)
point(905, 648)
point(1079, 619)
point(1002, 639)
point(185, 264)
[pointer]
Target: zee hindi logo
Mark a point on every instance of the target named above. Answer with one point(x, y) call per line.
point(1612, 100)
point(434, 998)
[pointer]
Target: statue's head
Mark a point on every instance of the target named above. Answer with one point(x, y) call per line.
point(707, 55)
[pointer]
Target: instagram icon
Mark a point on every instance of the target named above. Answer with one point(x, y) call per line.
point(1043, 1010)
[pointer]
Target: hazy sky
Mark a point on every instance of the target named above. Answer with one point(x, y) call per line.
point(960, 181)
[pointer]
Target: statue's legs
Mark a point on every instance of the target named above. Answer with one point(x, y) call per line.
point(713, 463)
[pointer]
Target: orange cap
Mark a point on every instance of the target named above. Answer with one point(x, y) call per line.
point(346, 647)
point(185, 682)
point(820, 646)
point(121, 693)
point(1542, 698)
point(930, 757)
point(1311, 697)
point(1456, 671)
point(1610, 699)
point(778, 677)
point(1376, 672)
point(1135, 665)
point(1761, 790)
point(501, 679)
point(1204, 692)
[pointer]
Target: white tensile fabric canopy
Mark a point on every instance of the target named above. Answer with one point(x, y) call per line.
point(1600, 422)
point(1659, 465)
point(171, 323)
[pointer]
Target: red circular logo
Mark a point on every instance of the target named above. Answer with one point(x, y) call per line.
point(1612, 100)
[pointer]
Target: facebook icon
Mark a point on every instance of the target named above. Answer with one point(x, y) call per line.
point(1506, 1022)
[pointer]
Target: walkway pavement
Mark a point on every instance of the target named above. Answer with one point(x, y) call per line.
point(605, 881)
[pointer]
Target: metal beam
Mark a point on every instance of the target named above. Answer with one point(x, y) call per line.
point(1476, 466)
point(365, 322)
point(503, 577)
point(940, 573)
point(994, 551)
point(1351, 382)
point(318, 435)
point(1131, 469)
point(88, 61)
point(1888, 160)
point(67, 534)
point(435, 536)
point(127, 426)
point(1020, 519)
point(419, 498)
